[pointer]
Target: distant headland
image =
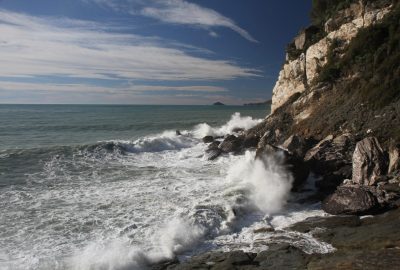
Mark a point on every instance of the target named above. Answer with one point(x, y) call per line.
point(218, 103)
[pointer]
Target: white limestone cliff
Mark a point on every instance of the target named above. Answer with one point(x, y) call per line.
point(298, 74)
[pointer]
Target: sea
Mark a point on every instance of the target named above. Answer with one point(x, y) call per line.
point(117, 188)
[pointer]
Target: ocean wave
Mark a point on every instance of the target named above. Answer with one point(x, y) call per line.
point(129, 203)
point(236, 122)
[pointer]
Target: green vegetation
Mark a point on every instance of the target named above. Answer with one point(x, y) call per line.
point(322, 10)
point(373, 58)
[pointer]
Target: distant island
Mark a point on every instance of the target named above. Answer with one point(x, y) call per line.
point(265, 103)
point(218, 103)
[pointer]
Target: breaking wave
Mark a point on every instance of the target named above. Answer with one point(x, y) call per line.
point(119, 205)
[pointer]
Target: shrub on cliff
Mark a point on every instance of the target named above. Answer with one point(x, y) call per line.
point(373, 59)
point(322, 10)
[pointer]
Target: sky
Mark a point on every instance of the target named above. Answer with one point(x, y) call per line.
point(144, 51)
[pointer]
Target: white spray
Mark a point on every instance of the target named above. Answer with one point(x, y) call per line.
point(266, 180)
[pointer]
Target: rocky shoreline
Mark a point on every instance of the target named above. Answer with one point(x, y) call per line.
point(336, 116)
point(356, 178)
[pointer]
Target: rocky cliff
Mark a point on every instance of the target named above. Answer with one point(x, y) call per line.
point(300, 71)
point(340, 76)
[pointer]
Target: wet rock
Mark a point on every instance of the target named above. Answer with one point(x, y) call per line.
point(250, 141)
point(369, 162)
point(208, 139)
point(264, 230)
point(213, 151)
point(212, 154)
point(178, 132)
point(213, 145)
point(231, 144)
point(350, 201)
point(312, 223)
point(293, 164)
point(297, 145)
point(165, 264)
point(237, 130)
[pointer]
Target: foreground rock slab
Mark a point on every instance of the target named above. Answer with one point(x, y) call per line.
point(350, 201)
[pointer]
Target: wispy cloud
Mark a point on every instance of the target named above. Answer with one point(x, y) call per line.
point(177, 12)
point(87, 88)
point(32, 46)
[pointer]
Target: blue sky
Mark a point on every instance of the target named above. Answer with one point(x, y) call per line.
point(144, 51)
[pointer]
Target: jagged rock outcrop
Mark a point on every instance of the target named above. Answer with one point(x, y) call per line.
point(231, 144)
point(369, 162)
point(394, 158)
point(298, 74)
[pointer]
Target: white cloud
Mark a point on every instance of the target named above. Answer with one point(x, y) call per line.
point(32, 46)
point(87, 88)
point(177, 12)
point(213, 34)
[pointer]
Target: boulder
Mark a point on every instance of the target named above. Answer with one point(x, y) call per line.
point(369, 162)
point(297, 145)
point(394, 158)
point(212, 151)
point(231, 144)
point(297, 168)
point(350, 201)
point(332, 155)
point(213, 145)
point(213, 154)
point(208, 139)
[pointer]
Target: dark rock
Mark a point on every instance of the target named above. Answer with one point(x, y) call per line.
point(208, 139)
point(369, 162)
point(293, 164)
point(328, 184)
point(213, 145)
point(331, 154)
point(311, 223)
point(282, 256)
point(178, 132)
point(297, 145)
point(219, 261)
point(231, 144)
point(212, 151)
point(264, 230)
point(250, 141)
point(212, 154)
point(331, 158)
point(164, 264)
point(237, 130)
point(350, 201)
point(373, 244)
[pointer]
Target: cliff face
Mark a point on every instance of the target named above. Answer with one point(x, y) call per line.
point(300, 72)
point(340, 76)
